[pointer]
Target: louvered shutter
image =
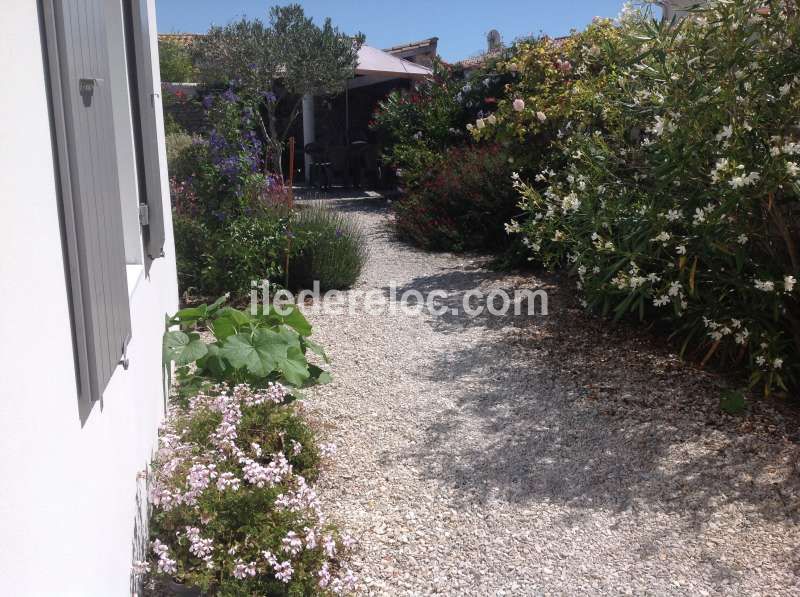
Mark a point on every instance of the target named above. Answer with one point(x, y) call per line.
point(87, 170)
point(148, 90)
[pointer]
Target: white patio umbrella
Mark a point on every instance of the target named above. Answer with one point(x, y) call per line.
point(374, 66)
point(372, 61)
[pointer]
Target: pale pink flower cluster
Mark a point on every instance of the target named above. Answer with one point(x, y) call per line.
point(275, 393)
point(283, 570)
point(324, 575)
point(165, 564)
point(346, 584)
point(302, 498)
point(242, 570)
point(269, 475)
point(228, 481)
point(224, 436)
point(329, 546)
point(182, 474)
point(338, 586)
point(163, 497)
point(200, 547)
point(311, 538)
point(199, 478)
point(292, 543)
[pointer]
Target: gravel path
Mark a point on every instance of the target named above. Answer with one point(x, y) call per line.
point(542, 455)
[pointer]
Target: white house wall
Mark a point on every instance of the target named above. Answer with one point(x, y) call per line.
point(67, 492)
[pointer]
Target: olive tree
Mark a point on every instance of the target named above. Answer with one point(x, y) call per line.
point(275, 63)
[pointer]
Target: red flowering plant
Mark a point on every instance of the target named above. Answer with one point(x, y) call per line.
point(416, 125)
point(462, 202)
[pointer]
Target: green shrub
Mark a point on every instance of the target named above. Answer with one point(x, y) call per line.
point(429, 118)
point(175, 62)
point(330, 248)
point(178, 145)
point(227, 257)
point(193, 252)
point(230, 226)
point(677, 199)
point(247, 248)
point(462, 203)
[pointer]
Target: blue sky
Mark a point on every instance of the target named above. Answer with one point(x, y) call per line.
point(460, 25)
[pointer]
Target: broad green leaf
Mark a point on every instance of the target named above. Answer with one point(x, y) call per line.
point(191, 313)
point(183, 348)
point(298, 322)
point(259, 353)
point(223, 328)
point(213, 362)
point(316, 349)
point(289, 336)
point(319, 375)
point(294, 367)
point(237, 317)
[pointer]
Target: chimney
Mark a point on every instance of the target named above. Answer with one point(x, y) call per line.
point(493, 40)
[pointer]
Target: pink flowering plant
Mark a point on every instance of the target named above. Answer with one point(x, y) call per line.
point(234, 512)
point(675, 200)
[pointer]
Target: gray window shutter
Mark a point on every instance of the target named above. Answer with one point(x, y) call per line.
point(148, 90)
point(87, 173)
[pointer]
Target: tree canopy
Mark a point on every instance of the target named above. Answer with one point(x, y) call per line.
point(175, 62)
point(283, 59)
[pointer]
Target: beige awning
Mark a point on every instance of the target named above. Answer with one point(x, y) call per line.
point(375, 62)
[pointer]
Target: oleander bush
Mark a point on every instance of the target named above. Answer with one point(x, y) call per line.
point(416, 125)
point(462, 202)
point(674, 199)
point(329, 247)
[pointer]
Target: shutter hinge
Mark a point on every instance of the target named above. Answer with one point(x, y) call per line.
point(144, 214)
point(124, 361)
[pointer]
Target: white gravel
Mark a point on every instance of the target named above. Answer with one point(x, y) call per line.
point(545, 455)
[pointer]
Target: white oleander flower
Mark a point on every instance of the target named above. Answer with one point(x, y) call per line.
point(788, 283)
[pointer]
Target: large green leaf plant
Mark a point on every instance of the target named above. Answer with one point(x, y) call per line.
point(218, 343)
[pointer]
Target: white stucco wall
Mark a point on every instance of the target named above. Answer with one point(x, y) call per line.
point(67, 492)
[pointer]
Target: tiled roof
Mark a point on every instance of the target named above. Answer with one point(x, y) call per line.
point(184, 39)
point(413, 45)
point(481, 59)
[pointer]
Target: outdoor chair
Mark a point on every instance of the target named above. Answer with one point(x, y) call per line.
point(320, 173)
point(355, 156)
